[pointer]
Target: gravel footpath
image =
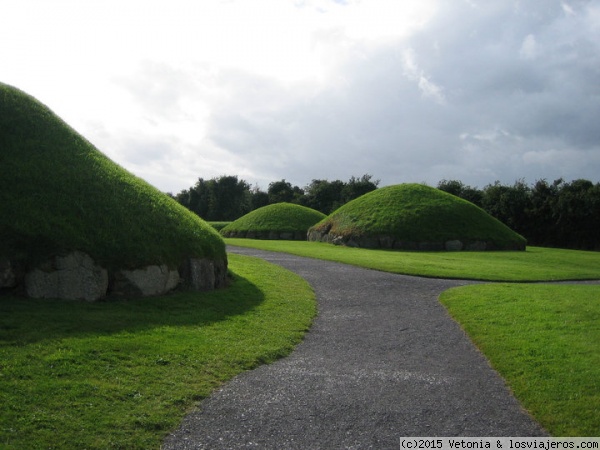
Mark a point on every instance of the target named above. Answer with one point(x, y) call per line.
point(382, 360)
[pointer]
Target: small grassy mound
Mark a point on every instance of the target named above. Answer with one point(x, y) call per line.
point(415, 217)
point(277, 221)
point(59, 193)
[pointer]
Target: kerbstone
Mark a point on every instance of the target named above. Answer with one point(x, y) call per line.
point(202, 274)
point(477, 246)
point(8, 278)
point(147, 281)
point(73, 277)
point(454, 245)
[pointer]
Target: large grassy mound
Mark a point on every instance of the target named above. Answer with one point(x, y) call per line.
point(59, 193)
point(417, 217)
point(277, 221)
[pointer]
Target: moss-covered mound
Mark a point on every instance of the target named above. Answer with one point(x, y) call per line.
point(415, 217)
point(277, 221)
point(58, 193)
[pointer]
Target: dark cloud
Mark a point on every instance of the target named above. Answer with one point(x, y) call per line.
point(487, 90)
point(483, 90)
point(532, 68)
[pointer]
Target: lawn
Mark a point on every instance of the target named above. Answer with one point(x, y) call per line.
point(122, 374)
point(544, 339)
point(535, 264)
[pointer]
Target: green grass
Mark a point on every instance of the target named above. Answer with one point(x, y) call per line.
point(279, 217)
point(123, 374)
point(59, 193)
point(535, 264)
point(545, 341)
point(218, 225)
point(414, 213)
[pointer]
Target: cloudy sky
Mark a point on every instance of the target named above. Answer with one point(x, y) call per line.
point(408, 91)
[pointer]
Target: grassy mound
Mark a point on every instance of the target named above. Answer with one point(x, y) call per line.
point(59, 193)
point(415, 217)
point(277, 221)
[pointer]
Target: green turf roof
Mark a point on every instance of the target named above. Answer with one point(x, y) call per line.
point(417, 213)
point(59, 193)
point(279, 217)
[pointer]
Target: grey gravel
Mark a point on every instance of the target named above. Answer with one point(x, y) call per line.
point(382, 360)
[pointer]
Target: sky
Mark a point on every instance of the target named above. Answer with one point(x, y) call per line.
point(406, 91)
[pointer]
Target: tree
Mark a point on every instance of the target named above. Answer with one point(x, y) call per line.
point(577, 216)
point(509, 204)
point(557, 215)
point(223, 198)
point(453, 187)
point(229, 198)
point(542, 213)
point(283, 191)
point(356, 187)
point(258, 198)
point(196, 198)
point(461, 190)
point(324, 195)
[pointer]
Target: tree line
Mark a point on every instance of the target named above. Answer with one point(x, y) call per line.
point(557, 214)
point(227, 197)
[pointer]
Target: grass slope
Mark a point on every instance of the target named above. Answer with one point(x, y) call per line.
point(123, 374)
point(58, 192)
point(279, 217)
point(543, 339)
point(417, 213)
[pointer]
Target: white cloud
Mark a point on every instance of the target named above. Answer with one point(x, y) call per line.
point(416, 74)
point(567, 9)
point(300, 89)
point(528, 47)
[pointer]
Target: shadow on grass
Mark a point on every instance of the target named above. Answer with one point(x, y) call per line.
point(24, 321)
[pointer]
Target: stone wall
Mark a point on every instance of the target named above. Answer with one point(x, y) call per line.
point(75, 276)
point(270, 235)
point(389, 242)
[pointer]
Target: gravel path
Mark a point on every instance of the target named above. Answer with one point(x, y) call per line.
point(382, 360)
